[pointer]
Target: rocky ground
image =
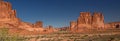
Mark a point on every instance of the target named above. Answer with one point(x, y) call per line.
point(66, 36)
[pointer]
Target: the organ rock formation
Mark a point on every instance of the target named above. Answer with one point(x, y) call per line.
point(87, 22)
point(84, 21)
point(98, 20)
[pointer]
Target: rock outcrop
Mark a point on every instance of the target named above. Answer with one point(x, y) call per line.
point(38, 24)
point(7, 15)
point(113, 25)
point(9, 19)
point(73, 25)
point(49, 29)
point(87, 22)
point(84, 21)
point(97, 20)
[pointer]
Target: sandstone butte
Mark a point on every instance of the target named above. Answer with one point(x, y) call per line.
point(85, 22)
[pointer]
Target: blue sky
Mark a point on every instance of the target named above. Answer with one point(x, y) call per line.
point(59, 13)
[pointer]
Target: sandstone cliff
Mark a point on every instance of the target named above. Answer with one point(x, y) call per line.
point(9, 19)
point(7, 15)
point(98, 20)
point(87, 22)
point(84, 21)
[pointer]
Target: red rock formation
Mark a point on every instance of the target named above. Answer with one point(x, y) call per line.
point(9, 19)
point(112, 25)
point(7, 15)
point(98, 20)
point(49, 29)
point(84, 21)
point(85, 18)
point(38, 24)
point(73, 25)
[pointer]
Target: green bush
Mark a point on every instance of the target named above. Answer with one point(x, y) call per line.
point(5, 36)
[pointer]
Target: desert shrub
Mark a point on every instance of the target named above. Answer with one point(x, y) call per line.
point(5, 36)
point(84, 36)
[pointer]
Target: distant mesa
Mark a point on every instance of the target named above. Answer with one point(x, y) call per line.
point(87, 22)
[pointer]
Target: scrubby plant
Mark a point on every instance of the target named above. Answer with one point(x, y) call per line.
point(5, 36)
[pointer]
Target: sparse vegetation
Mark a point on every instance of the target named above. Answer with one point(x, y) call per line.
point(60, 36)
point(5, 36)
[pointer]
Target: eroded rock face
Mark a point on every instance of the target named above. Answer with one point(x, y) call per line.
point(38, 24)
point(85, 21)
point(113, 25)
point(97, 20)
point(85, 18)
point(5, 8)
point(7, 15)
point(73, 25)
point(9, 19)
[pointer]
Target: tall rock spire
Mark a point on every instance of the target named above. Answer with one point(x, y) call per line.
point(98, 20)
point(5, 9)
point(6, 12)
point(84, 19)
